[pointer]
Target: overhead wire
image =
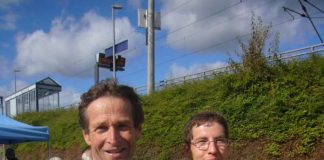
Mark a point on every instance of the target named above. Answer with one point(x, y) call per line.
point(314, 6)
point(200, 50)
point(176, 30)
point(232, 18)
point(206, 48)
point(172, 32)
point(85, 57)
point(199, 20)
point(143, 45)
point(176, 8)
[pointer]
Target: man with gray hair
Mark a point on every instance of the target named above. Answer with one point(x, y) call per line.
point(111, 119)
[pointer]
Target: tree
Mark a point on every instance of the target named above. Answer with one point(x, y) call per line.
point(254, 64)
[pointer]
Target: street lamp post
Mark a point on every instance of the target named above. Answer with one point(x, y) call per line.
point(15, 71)
point(114, 6)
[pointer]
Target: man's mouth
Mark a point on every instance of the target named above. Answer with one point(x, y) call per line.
point(212, 158)
point(115, 152)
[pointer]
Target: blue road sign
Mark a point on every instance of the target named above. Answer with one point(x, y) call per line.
point(118, 48)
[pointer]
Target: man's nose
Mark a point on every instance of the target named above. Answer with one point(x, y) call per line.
point(113, 136)
point(213, 148)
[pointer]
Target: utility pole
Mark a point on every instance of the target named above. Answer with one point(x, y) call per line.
point(150, 47)
point(149, 20)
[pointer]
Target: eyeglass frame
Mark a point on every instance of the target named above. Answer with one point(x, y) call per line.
point(215, 140)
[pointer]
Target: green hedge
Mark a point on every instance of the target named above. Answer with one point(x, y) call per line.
point(286, 108)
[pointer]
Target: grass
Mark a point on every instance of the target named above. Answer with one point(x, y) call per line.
point(282, 114)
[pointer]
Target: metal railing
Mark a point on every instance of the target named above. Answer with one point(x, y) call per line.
point(72, 105)
point(296, 54)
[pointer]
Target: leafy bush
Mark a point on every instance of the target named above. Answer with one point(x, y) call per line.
point(273, 149)
point(284, 112)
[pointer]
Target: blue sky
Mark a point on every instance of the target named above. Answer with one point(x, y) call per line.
point(59, 38)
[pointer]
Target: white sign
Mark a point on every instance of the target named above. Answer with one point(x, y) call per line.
point(142, 19)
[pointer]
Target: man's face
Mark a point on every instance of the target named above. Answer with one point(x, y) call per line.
point(211, 134)
point(112, 134)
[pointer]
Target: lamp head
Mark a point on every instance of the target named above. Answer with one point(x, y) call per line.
point(117, 6)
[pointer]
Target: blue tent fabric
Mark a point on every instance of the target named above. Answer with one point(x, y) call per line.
point(12, 131)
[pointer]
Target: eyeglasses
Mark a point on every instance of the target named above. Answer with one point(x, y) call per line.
point(203, 144)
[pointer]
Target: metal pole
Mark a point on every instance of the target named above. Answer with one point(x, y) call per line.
point(150, 47)
point(58, 100)
point(15, 71)
point(96, 73)
point(48, 148)
point(4, 150)
point(310, 19)
point(114, 57)
point(114, 6)
point(2, 105)
point(15, 83)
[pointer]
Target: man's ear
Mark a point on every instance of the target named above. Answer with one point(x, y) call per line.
point(86, 136)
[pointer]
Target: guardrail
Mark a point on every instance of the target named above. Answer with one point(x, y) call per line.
point(296, 54)
point(73, 105)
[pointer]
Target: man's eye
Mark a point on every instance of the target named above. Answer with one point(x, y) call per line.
point(201, 142)
point(222, 141)
point(101, 129)
point(123, 127)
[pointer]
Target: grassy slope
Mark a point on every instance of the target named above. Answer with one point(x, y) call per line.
point(278, 118)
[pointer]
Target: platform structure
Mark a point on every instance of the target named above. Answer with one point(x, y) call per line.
point(44, 95)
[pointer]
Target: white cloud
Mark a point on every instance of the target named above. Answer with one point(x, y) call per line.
point(176, 70)
point(69, 96)
point(8, 18)
point(193, 25)
point(19, 84)
point(4, 4)
point(70, 46)
point(136, 4)
point(8, 21)
point(4, 91)
point(7, 90)
point(4, 67)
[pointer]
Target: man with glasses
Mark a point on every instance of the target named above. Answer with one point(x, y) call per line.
point(206, 136)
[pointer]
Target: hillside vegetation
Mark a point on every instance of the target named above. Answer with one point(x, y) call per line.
point(277, 117)
point(275, 110)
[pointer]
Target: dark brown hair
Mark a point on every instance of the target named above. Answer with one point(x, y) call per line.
point(111, 88)
point(200, 119)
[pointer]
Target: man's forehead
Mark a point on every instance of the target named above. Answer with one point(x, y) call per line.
point(114, 115)
point(208, 128)
point(109, 105)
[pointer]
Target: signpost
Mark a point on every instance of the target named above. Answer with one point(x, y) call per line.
point(122, 46)
point(106, 60)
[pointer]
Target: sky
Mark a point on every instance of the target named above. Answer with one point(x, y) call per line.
point(60, 38)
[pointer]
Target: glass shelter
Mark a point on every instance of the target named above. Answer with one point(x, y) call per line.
point(41, 96)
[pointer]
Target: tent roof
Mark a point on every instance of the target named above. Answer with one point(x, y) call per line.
point(12, 131)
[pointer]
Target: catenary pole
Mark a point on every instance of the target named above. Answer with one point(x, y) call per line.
point(150, 47)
